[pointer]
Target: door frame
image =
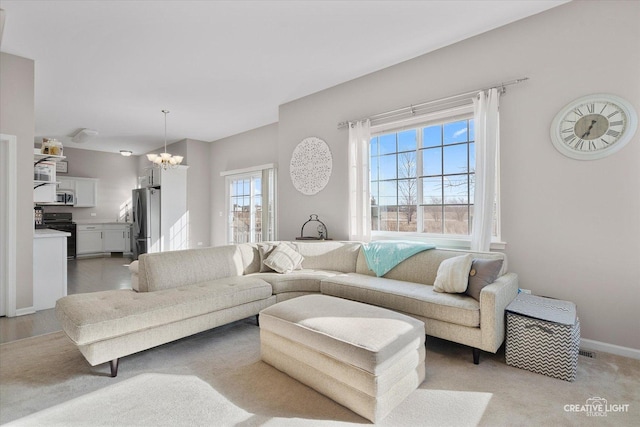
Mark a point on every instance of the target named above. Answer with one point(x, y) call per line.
point(8, 222)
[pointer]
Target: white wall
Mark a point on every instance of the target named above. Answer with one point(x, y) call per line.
point(572, 228)
point(17, 117)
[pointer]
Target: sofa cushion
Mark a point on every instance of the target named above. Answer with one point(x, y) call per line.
point(284, 259)
point(305, 280)
point(329, 255)
point(483, 273)
point(453, 274)
point(407, 297)
point(172, 269)
point(96, 316)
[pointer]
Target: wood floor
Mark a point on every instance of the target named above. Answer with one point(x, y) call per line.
point(83, 275)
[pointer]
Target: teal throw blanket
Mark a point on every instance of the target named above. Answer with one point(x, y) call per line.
point(383, 255)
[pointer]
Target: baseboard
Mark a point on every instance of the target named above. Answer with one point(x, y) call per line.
point(610, 348)
point(23, 311)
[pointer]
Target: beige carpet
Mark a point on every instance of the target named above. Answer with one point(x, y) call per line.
point(219, 374)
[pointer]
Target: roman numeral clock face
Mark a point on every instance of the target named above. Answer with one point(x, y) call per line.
point(593, 127)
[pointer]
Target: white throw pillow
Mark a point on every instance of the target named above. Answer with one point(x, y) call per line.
point(453, 274)
point(284, 259)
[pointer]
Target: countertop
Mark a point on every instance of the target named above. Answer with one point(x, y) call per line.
point(41, 233)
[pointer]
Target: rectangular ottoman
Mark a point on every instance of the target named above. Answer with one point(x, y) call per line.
point(364, 357)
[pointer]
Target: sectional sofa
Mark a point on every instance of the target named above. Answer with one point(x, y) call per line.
point(180, 293)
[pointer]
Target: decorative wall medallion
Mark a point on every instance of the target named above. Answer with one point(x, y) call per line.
point(311, 165)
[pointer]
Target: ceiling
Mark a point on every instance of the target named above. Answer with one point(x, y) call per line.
point(220, 67)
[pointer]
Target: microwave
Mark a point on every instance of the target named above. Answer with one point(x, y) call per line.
point(65, 198)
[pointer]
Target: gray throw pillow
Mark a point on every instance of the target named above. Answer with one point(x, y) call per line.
point(483, 272)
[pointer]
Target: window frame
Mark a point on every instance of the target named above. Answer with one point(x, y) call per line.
point(455, 241)
point(267, 174)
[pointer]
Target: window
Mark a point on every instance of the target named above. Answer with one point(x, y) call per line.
point(422, 177)
point(250, 205)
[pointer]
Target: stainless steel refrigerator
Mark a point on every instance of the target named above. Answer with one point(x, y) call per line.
point(145, 204)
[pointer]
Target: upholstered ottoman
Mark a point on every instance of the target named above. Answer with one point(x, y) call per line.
point(364, 357)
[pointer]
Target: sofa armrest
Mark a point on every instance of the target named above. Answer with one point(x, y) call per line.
point(493, 302)
point(133, 269)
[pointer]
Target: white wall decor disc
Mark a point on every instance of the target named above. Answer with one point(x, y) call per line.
point(311, 165)
point(593, 126)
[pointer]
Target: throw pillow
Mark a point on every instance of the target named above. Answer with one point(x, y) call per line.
point(265, 249)
point(453, 274)
point(483, 272)
point(284, 259)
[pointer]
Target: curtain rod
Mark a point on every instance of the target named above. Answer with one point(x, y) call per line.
point(413, 109)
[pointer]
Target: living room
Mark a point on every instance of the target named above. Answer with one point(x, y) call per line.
point(569, 228)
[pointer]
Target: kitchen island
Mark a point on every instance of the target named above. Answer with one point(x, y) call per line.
point(49, 267)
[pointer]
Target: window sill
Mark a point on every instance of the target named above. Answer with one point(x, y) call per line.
point(445, 242)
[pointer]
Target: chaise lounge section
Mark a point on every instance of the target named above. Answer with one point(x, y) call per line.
point(180, 293)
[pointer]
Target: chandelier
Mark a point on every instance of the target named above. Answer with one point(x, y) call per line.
point(165, 160)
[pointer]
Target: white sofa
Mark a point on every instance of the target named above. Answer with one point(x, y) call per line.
point(180, 293)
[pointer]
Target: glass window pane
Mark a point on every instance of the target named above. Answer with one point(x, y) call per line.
point(388, 167)
point(472, 157)
point(373, 146)
point(432, 136)
point(432, 190)
point(456, 189)
point(432, 161)
point(407, 218)
point(375, 218)
point(432, 219)
point(456, 220)
point(407, 192)
point(387, 143)
point(455, 159)
point(407, 140)
point(374, 193)
point(407, 165)
point(472, 130)
point(388, 193)
point(388, 218)
point(455, 132)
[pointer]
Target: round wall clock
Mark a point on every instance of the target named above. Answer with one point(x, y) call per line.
point(311, 164)
point(593, 126)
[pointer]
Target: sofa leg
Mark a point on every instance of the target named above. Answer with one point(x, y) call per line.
point(114, 367)
point(258, 319)
point(476, 356)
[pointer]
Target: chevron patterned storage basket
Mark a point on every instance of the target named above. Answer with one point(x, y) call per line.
point(543, 336)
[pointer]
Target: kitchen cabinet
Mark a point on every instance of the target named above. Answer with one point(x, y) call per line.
point(115, 238)
point(89, 239)
point(86, 192)
point(103, 238)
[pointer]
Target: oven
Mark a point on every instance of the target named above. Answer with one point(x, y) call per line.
point(62, 221)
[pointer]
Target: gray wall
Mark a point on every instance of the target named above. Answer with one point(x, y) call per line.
point(572, 228)
point(253, 148)
point(17, 117)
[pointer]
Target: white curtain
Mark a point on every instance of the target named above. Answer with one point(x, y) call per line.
point(487, 127)
point(359, 192)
